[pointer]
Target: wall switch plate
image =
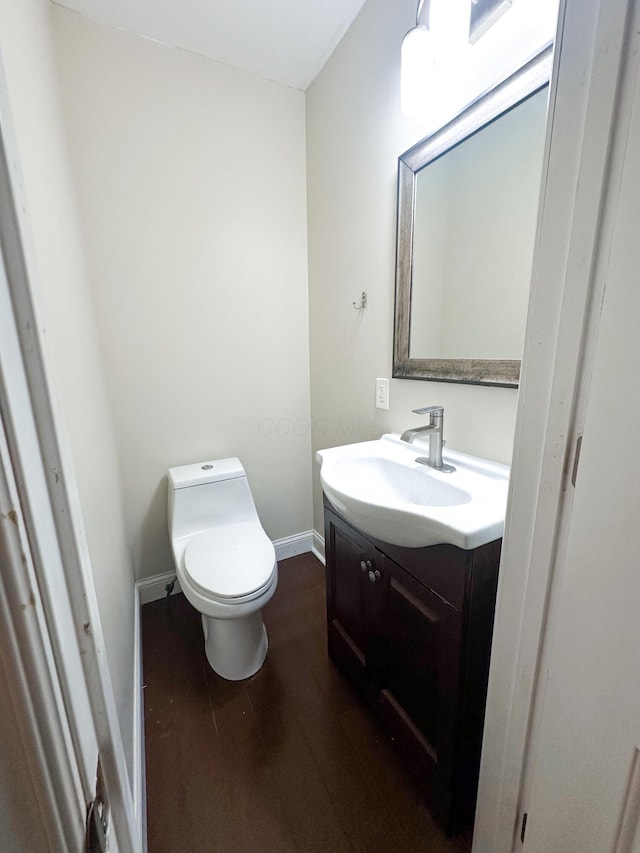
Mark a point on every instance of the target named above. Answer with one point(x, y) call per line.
point(382, 393)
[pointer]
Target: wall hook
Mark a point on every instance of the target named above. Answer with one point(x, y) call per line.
point(363, 302)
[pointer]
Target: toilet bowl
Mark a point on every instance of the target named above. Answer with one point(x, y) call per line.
point(225, 562)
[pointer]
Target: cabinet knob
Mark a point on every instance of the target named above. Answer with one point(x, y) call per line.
point(374, 576)
point(365, 565)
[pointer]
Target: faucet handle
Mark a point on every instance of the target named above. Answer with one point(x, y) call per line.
point(432, 410)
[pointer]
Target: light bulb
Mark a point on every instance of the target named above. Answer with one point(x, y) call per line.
point(416, 73)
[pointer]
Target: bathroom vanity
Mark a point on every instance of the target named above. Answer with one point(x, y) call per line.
point(411, 627)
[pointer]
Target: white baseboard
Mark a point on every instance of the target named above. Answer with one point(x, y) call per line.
point(318, 547)
point(154, 588)
point(139, 775)
point(291, 546)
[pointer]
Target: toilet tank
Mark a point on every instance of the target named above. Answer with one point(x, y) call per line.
point(206, 494)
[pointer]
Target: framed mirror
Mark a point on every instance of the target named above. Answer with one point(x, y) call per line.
point(468, 200)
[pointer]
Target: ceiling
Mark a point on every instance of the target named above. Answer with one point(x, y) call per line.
point(283, 40)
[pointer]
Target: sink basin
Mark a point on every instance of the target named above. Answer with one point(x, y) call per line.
point(379, 488)
point(377, 475)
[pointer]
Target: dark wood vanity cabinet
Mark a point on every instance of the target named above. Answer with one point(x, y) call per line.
point(356, 594)
point(412, 628)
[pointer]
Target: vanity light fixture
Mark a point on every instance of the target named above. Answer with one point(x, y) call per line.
point(442, 72)
point(429, 48)
point(416, 65)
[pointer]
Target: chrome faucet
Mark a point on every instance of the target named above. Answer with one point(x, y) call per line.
point(436, 443)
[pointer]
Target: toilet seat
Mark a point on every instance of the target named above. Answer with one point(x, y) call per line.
point(231, 563)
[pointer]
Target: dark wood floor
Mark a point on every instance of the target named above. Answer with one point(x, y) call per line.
point(288, 760)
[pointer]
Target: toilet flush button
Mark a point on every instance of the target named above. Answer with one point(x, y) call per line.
point(207, 467)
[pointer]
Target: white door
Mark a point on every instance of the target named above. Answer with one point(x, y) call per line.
point(583, 791)
point(58, 710)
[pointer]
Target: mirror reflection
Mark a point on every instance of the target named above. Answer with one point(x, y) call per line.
point(468, 199)
point(475, 219)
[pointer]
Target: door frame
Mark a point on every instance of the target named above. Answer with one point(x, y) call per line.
point(585, 115)
point(35, 698)
point(57, 641)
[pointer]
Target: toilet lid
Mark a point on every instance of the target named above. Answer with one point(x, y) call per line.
point(230, 561)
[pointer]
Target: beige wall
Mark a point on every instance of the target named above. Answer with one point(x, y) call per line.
point(355, 132)
point(67, 312)
point(191, 183)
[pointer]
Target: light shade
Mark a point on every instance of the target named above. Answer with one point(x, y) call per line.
point(449, 24)
point(417, 67)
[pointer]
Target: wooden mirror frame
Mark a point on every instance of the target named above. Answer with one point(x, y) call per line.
point(528, 80)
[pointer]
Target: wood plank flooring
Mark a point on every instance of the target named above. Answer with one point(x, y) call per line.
point(288, 761)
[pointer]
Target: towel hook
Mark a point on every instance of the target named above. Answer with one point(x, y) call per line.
point(363, 302)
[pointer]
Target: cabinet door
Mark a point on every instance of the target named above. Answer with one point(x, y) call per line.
point(420, 681)
point(353, 599)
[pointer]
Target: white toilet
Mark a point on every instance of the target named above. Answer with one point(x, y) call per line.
point(226, 563)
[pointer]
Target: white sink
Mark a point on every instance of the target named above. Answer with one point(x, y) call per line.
point(381, 490)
